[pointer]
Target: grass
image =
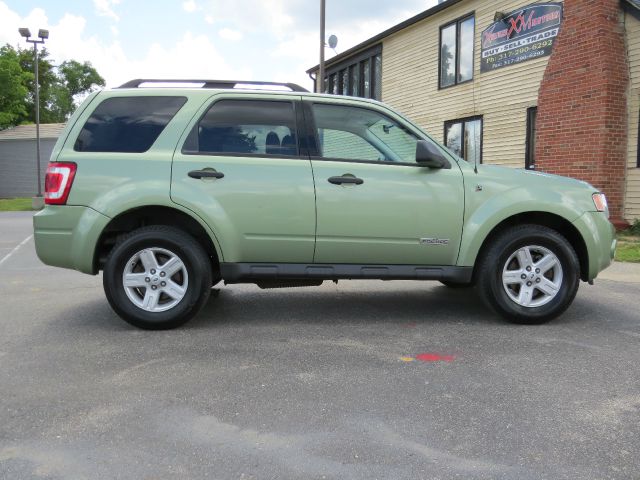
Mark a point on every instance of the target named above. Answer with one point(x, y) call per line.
point(15, 204)
point(629, 244)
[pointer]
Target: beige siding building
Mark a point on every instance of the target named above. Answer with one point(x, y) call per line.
point(632, 197)
point(490, 113)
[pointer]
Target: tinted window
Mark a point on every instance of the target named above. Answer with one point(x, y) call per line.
point(361, 78)
point(448, 56)
point(366, 74)
point(456, 52)
point(465, 66)
point(341, 144)
point(251, 127)
point(464, 138)
point(453, 135)
point(355, 79)
point(127, 124)
point(345, 82)
point(377, 78)
point(354, 133)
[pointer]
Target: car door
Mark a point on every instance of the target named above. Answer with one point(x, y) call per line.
point(374, 203)
point(240, 168)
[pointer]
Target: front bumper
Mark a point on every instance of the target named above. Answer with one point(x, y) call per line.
point(66, 236)
point(599, 237)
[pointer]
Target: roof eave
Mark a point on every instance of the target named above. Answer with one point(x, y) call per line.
point(390, 31)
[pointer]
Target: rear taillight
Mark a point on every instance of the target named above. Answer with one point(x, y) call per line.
point(58, 181)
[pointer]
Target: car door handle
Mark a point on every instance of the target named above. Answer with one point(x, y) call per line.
point(346, 179)
point(205, 174)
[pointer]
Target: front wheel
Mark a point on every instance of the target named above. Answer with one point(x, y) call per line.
point(157, 277)
point(530, 274)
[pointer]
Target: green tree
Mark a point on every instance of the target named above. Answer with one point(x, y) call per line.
point(60, 87)
point(13, 90)
point(47, 79)
point(75, 80)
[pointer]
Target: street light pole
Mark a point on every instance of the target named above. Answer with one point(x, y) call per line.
point(43, 35)
point(322, 46)
point(35, 50)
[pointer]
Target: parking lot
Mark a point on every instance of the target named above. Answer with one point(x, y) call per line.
point(364, 379)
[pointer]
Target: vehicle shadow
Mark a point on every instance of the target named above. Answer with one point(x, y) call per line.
point(247, 305)
point(359, 304)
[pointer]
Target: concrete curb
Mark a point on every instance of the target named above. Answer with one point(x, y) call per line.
point(621, 272)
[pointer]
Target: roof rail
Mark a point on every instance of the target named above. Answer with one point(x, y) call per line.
point(213, 83)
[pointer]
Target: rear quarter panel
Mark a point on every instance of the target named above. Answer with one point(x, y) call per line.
point(114, 183)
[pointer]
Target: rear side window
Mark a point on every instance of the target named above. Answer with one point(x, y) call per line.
point(127, 124)
point(245, 127)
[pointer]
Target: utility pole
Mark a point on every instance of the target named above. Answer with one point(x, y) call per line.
point(320, 81)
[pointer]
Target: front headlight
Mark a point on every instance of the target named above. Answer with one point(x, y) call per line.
point(600, 201)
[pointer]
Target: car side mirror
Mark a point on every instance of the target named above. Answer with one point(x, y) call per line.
point(429, 156)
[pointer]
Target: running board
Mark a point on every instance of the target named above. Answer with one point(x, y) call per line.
point(252, 272)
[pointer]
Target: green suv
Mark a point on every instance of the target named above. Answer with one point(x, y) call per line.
point(172, 189)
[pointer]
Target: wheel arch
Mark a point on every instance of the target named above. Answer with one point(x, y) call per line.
point(551, 220)
point(137, 217)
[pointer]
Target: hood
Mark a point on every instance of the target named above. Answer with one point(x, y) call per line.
point(531, 178)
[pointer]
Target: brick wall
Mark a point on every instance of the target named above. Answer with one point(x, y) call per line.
point(582, 102)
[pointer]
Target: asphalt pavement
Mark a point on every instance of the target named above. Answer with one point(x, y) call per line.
point(360, 380)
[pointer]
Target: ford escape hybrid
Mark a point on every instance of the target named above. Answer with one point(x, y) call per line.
point(169, 190)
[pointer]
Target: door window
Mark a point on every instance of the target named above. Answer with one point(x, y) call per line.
point(245, 127)
point(355, 133)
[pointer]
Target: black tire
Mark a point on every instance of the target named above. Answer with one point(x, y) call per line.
point(194, 259)
point(489, 272)
point(455, 285)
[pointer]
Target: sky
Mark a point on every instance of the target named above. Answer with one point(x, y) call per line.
point(273, 40)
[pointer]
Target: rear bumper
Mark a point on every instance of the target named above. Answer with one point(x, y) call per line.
point(66, 236)
point(600, 238)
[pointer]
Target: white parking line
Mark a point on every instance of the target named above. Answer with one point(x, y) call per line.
point(8, 255)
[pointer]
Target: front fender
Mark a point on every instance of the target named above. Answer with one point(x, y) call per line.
point(485, 214)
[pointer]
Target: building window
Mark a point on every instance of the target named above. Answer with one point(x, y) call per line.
point(456, 52)
point(464, 138)
point(355, 80)
point(360, 76)
point(530, 153)
point(638, 151)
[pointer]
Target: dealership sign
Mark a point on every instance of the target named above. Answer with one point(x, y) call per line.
point(522, 35)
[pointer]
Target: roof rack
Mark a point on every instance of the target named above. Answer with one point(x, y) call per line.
point(214, 83)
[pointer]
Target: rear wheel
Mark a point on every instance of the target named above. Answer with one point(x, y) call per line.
point(157, 277)
point(530, 274)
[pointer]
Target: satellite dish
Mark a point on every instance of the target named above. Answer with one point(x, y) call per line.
point(333, 42)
